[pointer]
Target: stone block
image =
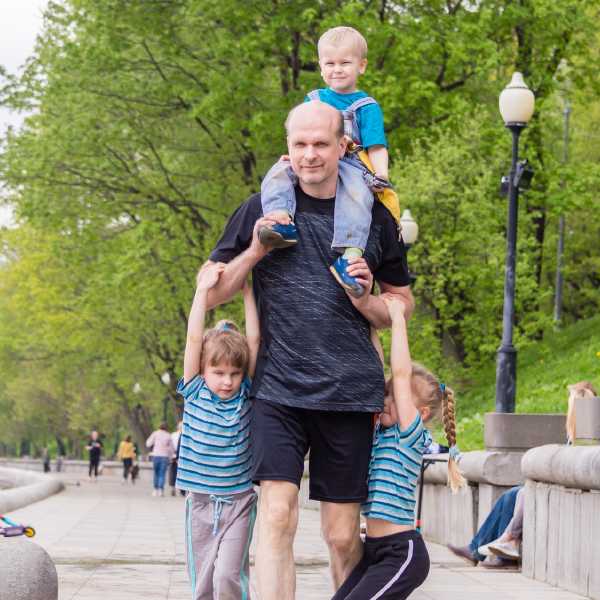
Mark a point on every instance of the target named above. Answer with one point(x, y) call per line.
point(588, 418)
point(26, 571)
point(553, 541)
point(541, 520)
point(594, 578)
point(570, 539)
point(528, 542)
point(520, 432)
point(586, 542)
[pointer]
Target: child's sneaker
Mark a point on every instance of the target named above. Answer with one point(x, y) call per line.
point(278, 235)
point(339, 271)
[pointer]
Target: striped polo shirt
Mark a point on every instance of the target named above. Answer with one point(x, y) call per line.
point(394, 472)
point(214, 455)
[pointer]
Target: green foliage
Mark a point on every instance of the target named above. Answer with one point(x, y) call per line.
point(152, 121)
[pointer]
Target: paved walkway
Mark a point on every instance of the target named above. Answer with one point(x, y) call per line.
point(114, 542)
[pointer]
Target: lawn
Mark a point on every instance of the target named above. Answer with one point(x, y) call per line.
point(544, 370)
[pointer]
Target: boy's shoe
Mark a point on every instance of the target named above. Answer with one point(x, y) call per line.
point(339, 271)
point(278, 235)
point(509, 550)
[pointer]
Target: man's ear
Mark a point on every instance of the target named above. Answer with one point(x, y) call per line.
point(343, 145)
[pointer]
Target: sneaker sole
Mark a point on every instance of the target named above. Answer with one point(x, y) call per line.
point(352, 291)
point(268, 237)
point(505, 555)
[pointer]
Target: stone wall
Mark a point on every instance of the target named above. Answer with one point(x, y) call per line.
point(561, 536)
point(19, 488)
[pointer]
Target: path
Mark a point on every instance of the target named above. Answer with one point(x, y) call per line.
point(114, 542)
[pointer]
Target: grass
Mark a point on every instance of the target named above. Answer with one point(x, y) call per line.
point(544, 369)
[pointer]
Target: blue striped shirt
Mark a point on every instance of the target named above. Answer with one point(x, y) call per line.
point(394, 472)
point(214, 455)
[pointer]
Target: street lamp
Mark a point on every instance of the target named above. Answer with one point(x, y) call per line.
point(410, 232)
point(410, 229)
point(516, 107)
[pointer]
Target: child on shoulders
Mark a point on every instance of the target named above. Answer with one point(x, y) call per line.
point(362, 171)
point(215, 455)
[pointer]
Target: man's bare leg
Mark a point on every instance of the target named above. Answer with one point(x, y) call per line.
point(340, 527)
point(277, 523)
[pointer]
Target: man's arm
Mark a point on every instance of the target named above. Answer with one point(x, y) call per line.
point(372, 307)
point(236, 271)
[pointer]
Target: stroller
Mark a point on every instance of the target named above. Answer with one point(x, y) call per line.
point(9, 528)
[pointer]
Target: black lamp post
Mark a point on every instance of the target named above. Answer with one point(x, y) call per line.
point(516, 106)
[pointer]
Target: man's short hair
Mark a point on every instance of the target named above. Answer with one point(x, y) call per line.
point(344, 36)
point(339, 133)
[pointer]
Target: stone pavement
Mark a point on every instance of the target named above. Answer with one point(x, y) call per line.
point(114, 542)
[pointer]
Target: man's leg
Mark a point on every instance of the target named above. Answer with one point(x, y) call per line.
point(340, 527)
point(277, 522)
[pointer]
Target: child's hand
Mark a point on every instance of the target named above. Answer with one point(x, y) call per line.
point(395, 306)
point(208, 275)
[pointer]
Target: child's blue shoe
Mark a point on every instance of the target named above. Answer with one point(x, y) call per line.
point(349, 283)
point(278, 235)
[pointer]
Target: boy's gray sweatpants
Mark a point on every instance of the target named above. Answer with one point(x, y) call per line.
point(218, 536)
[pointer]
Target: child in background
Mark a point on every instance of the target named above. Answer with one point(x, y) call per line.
point(215, 455)
point(395, 560)
point(342, 58)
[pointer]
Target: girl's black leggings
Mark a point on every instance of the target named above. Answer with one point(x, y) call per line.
point(127, 463)
point(94, 463)
point(391, 568)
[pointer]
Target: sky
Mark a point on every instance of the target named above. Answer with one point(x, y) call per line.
point(20, 22)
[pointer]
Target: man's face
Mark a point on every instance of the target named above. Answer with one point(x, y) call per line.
point(315, 149)
point(341, 67)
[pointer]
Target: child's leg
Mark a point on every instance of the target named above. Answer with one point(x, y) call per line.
point(231, 579)
point(353, 206)
point(279, 202)
point(398, 564)
point(201, 545)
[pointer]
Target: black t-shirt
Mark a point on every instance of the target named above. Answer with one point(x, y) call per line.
point(316, 350)
point(95, 449)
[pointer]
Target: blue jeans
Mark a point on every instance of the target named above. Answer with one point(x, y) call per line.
point(160, 464)
point(353, 200)
point(497, 521)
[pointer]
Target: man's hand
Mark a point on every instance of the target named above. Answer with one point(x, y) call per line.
point(359, 269)
point(208, 275)
point(256, 248)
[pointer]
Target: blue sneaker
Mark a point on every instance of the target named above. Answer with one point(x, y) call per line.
point(339, 271)
point(278, 235)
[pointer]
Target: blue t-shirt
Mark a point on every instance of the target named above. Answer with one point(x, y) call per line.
point(214, 454)
point(369, 118)
point(394, 472)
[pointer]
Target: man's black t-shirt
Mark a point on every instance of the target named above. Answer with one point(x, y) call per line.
point(316, 350)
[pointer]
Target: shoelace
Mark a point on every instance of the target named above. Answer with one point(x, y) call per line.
point(219, 502)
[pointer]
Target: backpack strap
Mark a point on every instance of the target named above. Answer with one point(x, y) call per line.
point(314, 95)
point(359, 104)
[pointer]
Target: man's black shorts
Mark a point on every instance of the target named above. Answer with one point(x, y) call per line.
point(339, 443)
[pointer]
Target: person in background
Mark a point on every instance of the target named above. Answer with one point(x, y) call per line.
point(173, 466)
point(94, 447)
point(162, 451)
point(46, 460)
point(126, 454)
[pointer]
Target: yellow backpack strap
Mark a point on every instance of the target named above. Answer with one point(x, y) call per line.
point(388, 197)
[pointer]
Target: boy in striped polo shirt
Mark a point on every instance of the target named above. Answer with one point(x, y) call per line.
point(215, 456)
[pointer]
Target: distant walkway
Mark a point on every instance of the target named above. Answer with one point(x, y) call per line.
point(114, 542)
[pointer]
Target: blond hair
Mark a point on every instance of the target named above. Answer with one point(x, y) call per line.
point(581, 389)
point(225, 343)
point(344, 36)
point(439, 399)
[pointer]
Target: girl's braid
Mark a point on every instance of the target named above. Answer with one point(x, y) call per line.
point(455, 477)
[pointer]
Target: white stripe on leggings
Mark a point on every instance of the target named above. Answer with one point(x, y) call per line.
point(397, 576)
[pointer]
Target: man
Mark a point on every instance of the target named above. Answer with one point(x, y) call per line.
point(318, 378)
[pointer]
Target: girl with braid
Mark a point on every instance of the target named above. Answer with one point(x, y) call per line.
point(395, 560)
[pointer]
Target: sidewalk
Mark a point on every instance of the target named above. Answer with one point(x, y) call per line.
point(114, 542)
